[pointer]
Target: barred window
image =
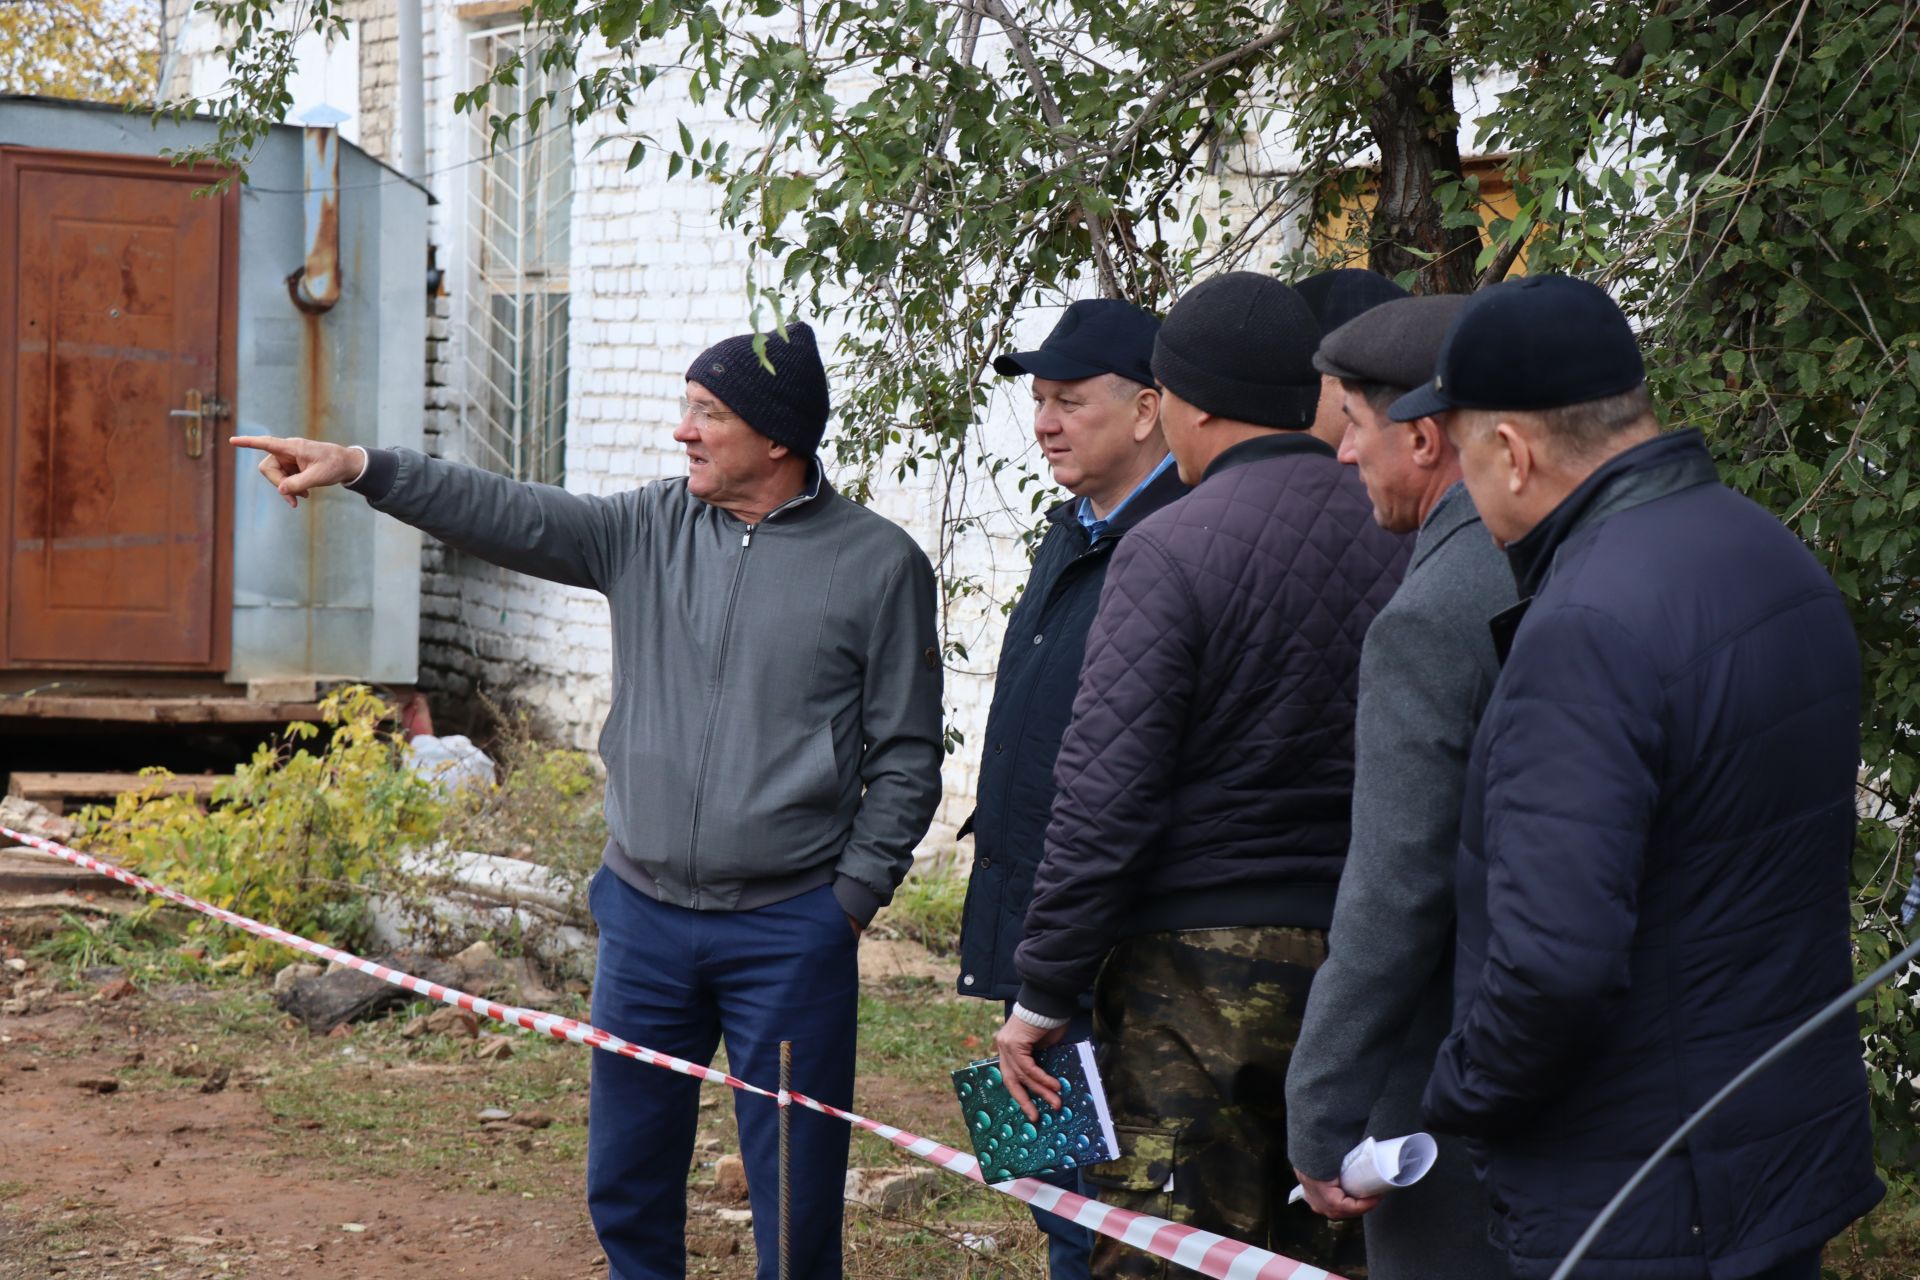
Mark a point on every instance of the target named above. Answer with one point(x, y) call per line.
point(519, 210)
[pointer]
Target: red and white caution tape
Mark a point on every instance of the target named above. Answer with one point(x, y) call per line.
point(1202, 1251)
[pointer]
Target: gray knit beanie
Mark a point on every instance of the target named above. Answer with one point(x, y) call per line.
point(1240, 346)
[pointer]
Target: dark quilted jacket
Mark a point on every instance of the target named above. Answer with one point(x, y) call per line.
point(1206, 778)
point(1032, 701)
point(1653, 887)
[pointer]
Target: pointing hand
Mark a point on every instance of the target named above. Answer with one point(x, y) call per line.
point(296, 466)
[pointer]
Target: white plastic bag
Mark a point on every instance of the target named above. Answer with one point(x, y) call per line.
point(451, 762)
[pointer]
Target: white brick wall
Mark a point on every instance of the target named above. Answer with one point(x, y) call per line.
point(655, 279)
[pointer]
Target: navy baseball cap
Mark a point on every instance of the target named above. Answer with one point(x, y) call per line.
point(1096, 336)
point(1540, 342)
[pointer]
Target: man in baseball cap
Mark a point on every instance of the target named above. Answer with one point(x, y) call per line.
point(1381, 1003)
point(1657, 827)
point(1096, 418)
point(1202, 805)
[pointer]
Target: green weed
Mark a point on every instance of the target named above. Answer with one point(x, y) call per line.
point(927, 907)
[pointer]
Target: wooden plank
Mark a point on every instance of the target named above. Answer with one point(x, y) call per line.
point(133, 710)
point(93, 786)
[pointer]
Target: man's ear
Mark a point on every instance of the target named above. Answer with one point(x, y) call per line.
point(1521, 454)
point(1427, 443)
point(1146, 414)
point(776, 450)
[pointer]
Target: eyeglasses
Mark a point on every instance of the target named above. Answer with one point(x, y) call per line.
point(703, 414)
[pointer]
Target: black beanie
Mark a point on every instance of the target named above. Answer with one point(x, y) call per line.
point(1337, 296)
point(788, 406)
point(1241, 346)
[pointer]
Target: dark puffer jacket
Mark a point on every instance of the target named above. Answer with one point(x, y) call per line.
point(1206, 779)
point(1653, 887)
point(1032, 700)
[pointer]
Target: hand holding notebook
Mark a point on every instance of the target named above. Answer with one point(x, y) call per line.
point(1078, 1132)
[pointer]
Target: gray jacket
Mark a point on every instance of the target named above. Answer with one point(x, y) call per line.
point(1381, 1004)
point(776, 690)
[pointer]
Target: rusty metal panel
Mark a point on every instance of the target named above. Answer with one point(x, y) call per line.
point(316, 284)
point(113, 524)
point(333, 589)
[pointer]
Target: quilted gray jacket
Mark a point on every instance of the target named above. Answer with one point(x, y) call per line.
point(1206, 780)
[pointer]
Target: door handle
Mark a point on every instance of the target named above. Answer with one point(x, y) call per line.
point(199, 409)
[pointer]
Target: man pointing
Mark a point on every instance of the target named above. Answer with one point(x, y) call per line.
point(773, 756)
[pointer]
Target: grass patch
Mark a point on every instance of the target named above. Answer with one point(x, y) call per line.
point(928, 906)
point(375, 1104)
point(1884, 1245)
point(915, 1028)
point(149, 945)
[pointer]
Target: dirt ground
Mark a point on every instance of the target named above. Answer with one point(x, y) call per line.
point(188, 1130)
point(151, 1127)
point(167, 1182)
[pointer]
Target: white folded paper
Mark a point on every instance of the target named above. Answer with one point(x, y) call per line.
point(1377, 1166)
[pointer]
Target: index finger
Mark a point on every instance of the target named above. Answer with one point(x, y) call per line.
point(255, 442)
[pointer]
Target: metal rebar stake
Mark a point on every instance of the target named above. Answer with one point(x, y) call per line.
point(786, 1174)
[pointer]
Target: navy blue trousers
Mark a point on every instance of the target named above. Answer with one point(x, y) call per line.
point(1069, 1245)
point(680, 981)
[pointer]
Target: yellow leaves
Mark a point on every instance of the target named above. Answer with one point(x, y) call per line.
point(297, 837)
point(97, 50)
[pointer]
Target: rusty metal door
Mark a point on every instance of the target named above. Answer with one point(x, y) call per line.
point(120, 329)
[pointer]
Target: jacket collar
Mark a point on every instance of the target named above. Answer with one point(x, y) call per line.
point(800, 505)
point(1268, 444)
point(1663, 465)
point(1454, 512)
point(1161, 490)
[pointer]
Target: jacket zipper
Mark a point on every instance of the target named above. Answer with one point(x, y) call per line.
point(713, 716)
point(719, 683)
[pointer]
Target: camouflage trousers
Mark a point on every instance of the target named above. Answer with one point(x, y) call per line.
point(1195, 1030)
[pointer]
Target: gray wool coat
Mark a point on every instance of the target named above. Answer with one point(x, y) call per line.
point(1381, 1004)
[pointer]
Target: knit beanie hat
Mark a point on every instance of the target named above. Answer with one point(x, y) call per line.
point(1337, 296)
point(1240, 346)
point(788, 406)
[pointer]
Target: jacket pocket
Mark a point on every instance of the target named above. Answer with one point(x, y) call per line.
point(805, 780)
point(1145, 1176)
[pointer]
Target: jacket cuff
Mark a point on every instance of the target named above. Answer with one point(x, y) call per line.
point(1048, 1004)
point(1320, 1163)
point(383, 465)
point(856, 899)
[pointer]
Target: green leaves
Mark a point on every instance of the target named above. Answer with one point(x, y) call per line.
point(295, 837)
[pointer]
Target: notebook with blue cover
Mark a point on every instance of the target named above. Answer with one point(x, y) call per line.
point(1011, 1146)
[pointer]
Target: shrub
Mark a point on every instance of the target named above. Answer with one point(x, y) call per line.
point(296, 838)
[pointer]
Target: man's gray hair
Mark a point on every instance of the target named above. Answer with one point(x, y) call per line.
point(1121, 387)
point(1578, 430)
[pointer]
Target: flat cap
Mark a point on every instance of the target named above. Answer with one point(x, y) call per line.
point(1538, 342)
point(1394, 344)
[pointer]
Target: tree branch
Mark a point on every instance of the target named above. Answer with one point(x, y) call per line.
point(1626, 65)
point(1050, 110)
point(1272, 36)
